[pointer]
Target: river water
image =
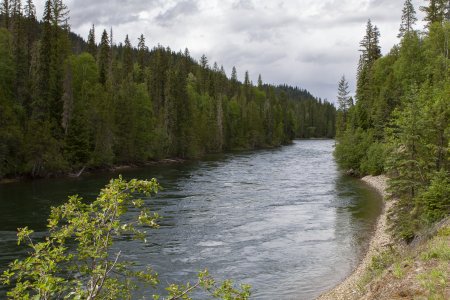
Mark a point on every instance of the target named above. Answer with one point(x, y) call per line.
point(284, 220)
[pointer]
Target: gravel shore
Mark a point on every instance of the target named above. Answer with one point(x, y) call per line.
point(348, 289)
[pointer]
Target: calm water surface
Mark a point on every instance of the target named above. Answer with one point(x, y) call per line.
point(283, 220)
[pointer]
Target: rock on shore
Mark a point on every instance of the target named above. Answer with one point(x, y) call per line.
point(348, 289)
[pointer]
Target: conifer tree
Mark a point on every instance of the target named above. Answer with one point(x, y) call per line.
point(127, 57)
point(408, 19)
point(343, 95)
point(234, 74)
point(40, 105)
point(91, 45)
point(204, 62)
point(447, 11)
point(30, 28)
point(104, 58)
point(260, 83)
point(142, 51)
point(5, 12)
point(246, 79)
point(434, 12)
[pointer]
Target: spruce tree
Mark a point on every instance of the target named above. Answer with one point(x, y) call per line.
point(343, 95)
point(234, 74)
point(5, 12)
point(434, 12)
point(447, 11)
point(408, 19)
point(142, 51)
point(246, 79)
point(127, 57)
point(260, 83)
point(204, 62)
point(142, 58)
point(104, 58)
point(91, 45)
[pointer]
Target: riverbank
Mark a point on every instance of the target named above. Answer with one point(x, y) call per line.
point(392, 270)
point(350, 288)
point(111, 168)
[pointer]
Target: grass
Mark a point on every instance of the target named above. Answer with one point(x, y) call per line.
point(439, 247)
point(434, 281)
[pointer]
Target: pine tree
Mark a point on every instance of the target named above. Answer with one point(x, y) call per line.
point(343, 95)
point(142, 58)
point(5, 12)
point(91, 45)
point(260, 83)
point(142, 51)
point(204, 62)
point(60, 15)
point(447, 11)
point(104, 58)
point(40, 105)
point(408, 19)
point(30, 28)
point(434, 12)
point(127, 57)
point(234, 74)
point(246, 79)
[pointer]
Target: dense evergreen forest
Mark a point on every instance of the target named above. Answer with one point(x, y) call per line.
point(66, 104)
point(399, 124)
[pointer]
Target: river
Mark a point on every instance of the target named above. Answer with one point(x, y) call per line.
point(283, 220)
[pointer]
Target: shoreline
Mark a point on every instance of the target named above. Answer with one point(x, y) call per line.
point(112, 168)
point(349, 288)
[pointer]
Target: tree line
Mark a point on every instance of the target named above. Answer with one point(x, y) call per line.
point(399, 124)
point(67, 103)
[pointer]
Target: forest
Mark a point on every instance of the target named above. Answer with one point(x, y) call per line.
point(399, 124)
point(67, 104)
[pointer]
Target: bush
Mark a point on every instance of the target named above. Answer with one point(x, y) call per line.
point(373, 162)
point(435, 201)
point(351, 149)
point(76, 259)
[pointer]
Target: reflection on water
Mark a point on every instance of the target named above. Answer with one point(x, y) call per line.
point(283, 220)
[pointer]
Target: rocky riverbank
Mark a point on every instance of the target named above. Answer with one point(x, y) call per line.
point(381, 240)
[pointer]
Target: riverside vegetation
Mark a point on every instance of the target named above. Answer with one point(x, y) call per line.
point(67, 103)
point(76, 260)
point(400, 126)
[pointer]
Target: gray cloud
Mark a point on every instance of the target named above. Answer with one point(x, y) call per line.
point(183, 8)
point(107, 12)
point(243, 4)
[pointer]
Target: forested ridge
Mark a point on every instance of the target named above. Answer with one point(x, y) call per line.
point(399, 124)
point(66, 103)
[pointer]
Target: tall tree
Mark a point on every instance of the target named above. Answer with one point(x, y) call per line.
point(127, 57)
point(343, 97)
point(434, 12)
point(5, 12)
point(104, 58)
point(408, 19)
point(91, 45)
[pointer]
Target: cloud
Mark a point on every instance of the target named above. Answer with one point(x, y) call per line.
point(183, 8)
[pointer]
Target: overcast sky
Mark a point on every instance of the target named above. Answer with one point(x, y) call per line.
point(305, 43)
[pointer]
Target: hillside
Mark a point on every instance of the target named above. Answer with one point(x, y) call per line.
point(69, 104)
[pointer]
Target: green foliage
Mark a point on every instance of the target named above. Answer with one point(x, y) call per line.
point(76, 259)
point(382, 261)
point(434, 201)
point(105, 104)
point(399, 124)
point(373, 162)
point(352, 149)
